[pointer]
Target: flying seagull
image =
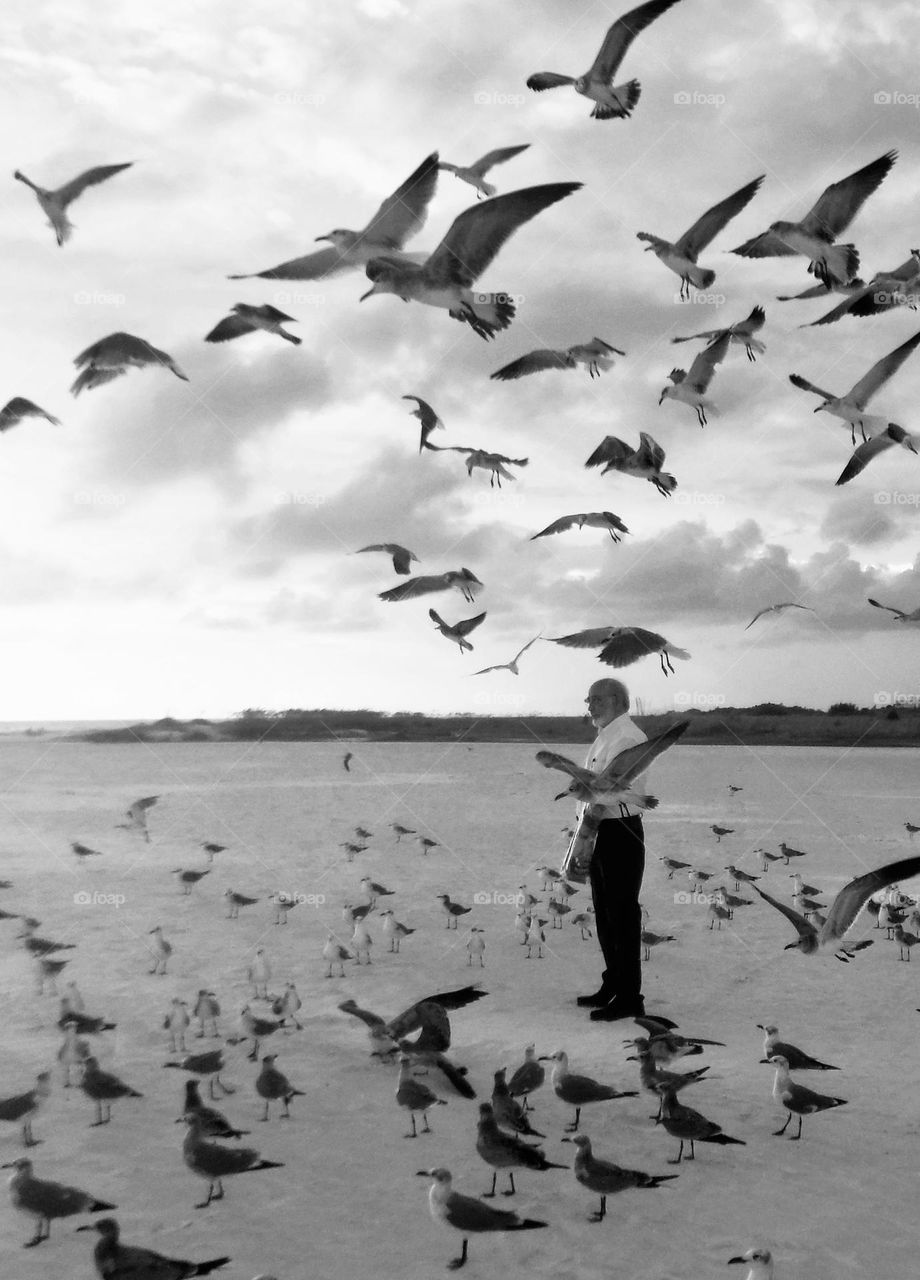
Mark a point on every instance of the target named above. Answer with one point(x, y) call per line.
point(681, 257)
point(511, 666)
point(869, 449)
point(593, 519)
point(475, 174)
point(596, 355)
point(459, 630)
point(844, 910)
point(473, 240)
point(402, 556)
point(691, 387)
point(495, 463)
point(644, 462)
point(899, 614)
point(110, 357)
point(610, 102)
point(851, 406)
point(249, 319)
point(778, 608)
point(401, 216)
point(886, 290)
point(15, 410)
point(137, 816)
point(742, 332)
point(611, 785)
point(466, 583)
point(623, 645)
point(427, 417)
point(54, 203)
point(817, 232)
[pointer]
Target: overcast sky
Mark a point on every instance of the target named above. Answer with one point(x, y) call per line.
point(184, 548)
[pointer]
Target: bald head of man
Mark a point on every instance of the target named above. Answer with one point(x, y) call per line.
point(606, 700)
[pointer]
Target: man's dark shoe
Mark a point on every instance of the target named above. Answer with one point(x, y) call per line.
point(600, 998)
point(618, 1009)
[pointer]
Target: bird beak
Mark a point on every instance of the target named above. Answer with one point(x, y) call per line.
point(565, 1139)
point(561, 795)
point(759, 1026)
point(819, 408)
point(367, 295)
point(90, 1227)
point(648, 248)
point(661, 398)
point(731, 1260)
point(423, 1173)
point(790, 946)
point(318, 238)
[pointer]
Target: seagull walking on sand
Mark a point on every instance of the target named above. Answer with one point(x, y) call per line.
point(681, 257)
point(844, 910)
point(817, 232)
point(457, 631)
point(511, 666)
point(54, 202)
point(189, 878)
point(464, 580)
point(42, 1200)
point(690, 388)
point(273, 1085)
point(777, 608)
point(414, 1096)
point(117, 1261)
point(213, 1163)
point(621, 646)
point(689, 1126)
point(400, 216)
point(402, 556)
point(851, 406)
point(579, 1090)
point(610, 102)
point(606, 1178)
point(446, 277)
point(468, 1215)
point(18, 409)
point(644, 462)
point(596, 355)
point(113, 356)
point(427, 417)
point(741, 333)
point(160, 949)
point(475, 174)
point(592, 519)
point(452, 910)
point(796, 1098)
point(246, 318)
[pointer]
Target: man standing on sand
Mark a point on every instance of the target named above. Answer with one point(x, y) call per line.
point(617, 865)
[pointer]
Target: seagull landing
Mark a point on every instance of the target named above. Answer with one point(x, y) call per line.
point(691, 388)
point(475, 174)
point(621, 646)
point(464, 580)
point(113, 356)
point(596, 355)
point(491, 462)
point(401, 216)
point(54, 203)
point(777, 608)
point(610, 102)
point(402, 556)
point(864, 453)
point(446, 277)
point(593, 519)
point(249, 319)
point(459, 630)
point(742, 333)
point(844, 910)
point(814, 236)
point(427, 417)
point(644, 463)
point(511, 666)
point(681, 257)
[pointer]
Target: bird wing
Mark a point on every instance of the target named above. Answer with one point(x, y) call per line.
point(707, 227)
point(864, 454)
point(704, 364)
point(612, 451)
point(466, 625)
point(802, 926)
point(552, 760)
point(310, 266)
point(589, 639)
point(372, 1020)
point(230, 327)
point(752, 323)
point(649, 454)
point(635, 760)
point(498, 156)
point(415, 587)
point(89, 178)
point(621, 35)
point(428, 1018)
point(533, 362)
point(899, 613)
point(839, 204)
point(520, 652)
point(541, 80)
point(429, 419)
point(18, 408)
point(403, 214)
point(853, 896)
point(475, 237)
point(707, 333)
point(804, 385)
point(562, 525)
point(766, 245)
point(628, 644)
point(881, 371)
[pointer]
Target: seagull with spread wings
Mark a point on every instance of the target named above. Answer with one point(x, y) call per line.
point(899, 614)
point(464, 580)
point(249, 319)
point(610, 101)
point(457, 631)
point(851, 406)
point(596, 355)
point(54, 203)
point(621, 646)
point(495, 463)
point(592, 519)
point(871, 448)
point(691, 388)
point(817, 232)
point(402, 556)
point(644, 462)
point(113, 356)
point(427, 417)
point(15, 410)
point(475, 174)
point(611, 785)
point(401, 216)
point(844, 909)
point(886, 290)
point(742, 333)
point(511, 666)
point(446, 277)
point(137, 816)
point(778, 608)
point(681, 256)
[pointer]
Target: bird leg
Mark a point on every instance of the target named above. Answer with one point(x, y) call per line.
point(458, 1262)
point(778, 1132)
point(513, 1189)
point(799, 1134)
point(265, 1116)
point(701, 414)
point(413, 1134)
point(599, 1216)
point(488, 1195)
point(571, 1128)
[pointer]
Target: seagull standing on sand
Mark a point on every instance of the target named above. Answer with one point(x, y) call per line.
point(214, 1163)
point(188, 878)
point(177, 1022)
point(689, 1126)
point(506, 1151)
point(23, 1106)
point(815, 235)
point(117, 1261)
point(796, 1098)
point(611, 785)
point(510, 1113)
point(681, 257)
point(528, 1077)
point(73, 1052)
point(446, 277)
point(43, 1200)
point(335, 953)
point(394, 930)
point(272, 1084)
point(644, 462)
point(209, 1064)
point(249, 319)
point(414, 1096)
point(475, 174)
point(596, 355)
point(214, 1124)
point(457, 631)
point(259, 973)
point(741, 333)
point(605, 1178)
point(17, 409)
point(511, 666)
point(690, 388)
point(113, 356)
point(610, 102)
point(207, 1011)
point(402, 556)
point(427, 417)
point(161, 950)
point(464, 580)
point(453, 910)
point(851, 406)
point(578, 1090)
point(54, 203)
point(103, 1088)
point(362, 941)
point(468, 1215)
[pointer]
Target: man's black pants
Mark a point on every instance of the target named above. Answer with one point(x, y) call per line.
point(616, 880)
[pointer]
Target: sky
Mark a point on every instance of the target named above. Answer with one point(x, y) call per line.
point(188, 548)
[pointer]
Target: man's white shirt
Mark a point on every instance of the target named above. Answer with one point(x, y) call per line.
point(615, 737)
